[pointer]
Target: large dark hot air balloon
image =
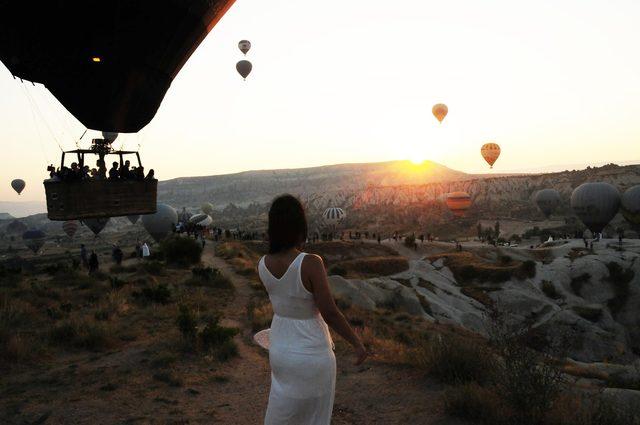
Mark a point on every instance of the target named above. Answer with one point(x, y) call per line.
point(630, 205)
point(160, 224)
point(458, 203)
point(547, 200)
point(34, 239)
point(109, 63)
point(133, 219)
point(595, 204)
point(244, 68)
point(18, 185)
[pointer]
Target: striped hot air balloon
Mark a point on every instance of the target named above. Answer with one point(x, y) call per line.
point(490, 152)
point(202, 220)
point(458, 203)
point(70, 227)
point(333, 216)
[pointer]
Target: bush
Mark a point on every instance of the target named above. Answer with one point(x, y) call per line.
point(86, 334)
point(454, 360)
point(338, 270)
point(206, 334)
point(619, 279)
point(181, 251)
point(527, 270)
point(591, 314)
point(160, 294)
point(260, 316)
point(187, 322)
point(208, 276)
point(153, 267)
point(410, 241)
point(550, 290)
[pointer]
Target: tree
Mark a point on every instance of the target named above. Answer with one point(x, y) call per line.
point(496, 228)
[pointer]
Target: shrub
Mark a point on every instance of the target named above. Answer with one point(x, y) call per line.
point(338, 270)
point(619, 279)
point(153, 267)
point(187, 322)
point(454, 360)
point(259, 315)
point(208, 276)
point(526, 270)
point(550, 290)
point(591, 314)
point(206, 334)
point(160, 294)
point(86, 334)
point(410, 241)
point(181, 251)
point(472, 402)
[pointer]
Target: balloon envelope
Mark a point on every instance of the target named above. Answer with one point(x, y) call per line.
point(95, 224)
point(490, 152)
point(458, 203)
point(160, 225)
point(133, 219)
point(595, 204)
point(202, 220)
point(109, 63)
point(631, 205)
point(70, 227)
point(34, 239)
point(244, 68)
point(244, 46)
point(333, 216)
point(207, 208)
point(109, 135)
point(18, 185)
point(440, 111)
point(547, 200)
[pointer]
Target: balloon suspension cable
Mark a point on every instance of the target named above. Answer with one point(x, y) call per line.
point(80, 139)
point(37, 108)
point(37, 127)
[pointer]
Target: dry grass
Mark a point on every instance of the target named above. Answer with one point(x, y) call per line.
point(363, 268)
point(467, 268)
point(259, 313)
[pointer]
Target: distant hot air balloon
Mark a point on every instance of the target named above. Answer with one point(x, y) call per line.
point(630, 205)
point(595, 204)
point(490, 152)
point(458, 203)
point(109, 63)
point(95, 224)
point(440, 111)
point(34, 239)
point(202, 220)
point(70, 227)
point(333, 216)
point(133, 219)
point(207, 208)
point(244, 46)
point(160, 225)
point(244, 68)
point(547, 200)
point(18, 185)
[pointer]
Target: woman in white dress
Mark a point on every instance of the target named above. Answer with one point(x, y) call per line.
point(303, 366)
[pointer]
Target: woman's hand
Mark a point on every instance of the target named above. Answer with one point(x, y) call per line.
point(361, 354)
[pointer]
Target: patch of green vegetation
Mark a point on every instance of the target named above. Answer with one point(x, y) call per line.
point(204, 333)
point(549, 289)
point(578, 282)
point(153, 267)
point(168, 377)
point(84, 334)
point(592, 314)
point(180, 251)
point(209, 277)
point(160, 294)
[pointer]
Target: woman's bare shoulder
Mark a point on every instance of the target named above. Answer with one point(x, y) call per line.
point(312, 262)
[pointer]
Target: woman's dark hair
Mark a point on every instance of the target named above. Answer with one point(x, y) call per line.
point(287, 224)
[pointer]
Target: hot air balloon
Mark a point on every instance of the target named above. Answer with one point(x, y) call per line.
point(333, 216)
point(70, 227)
point(207, 208)
point(185, 215)
point(595, 204)
point(109, 63)
point(34, 239)
point(202, 220)
point(630, 205)
point(458, 203)
point(244, 46)
point(133, 219)
point(440, 111)
point(547, 201)
point(111, 136)
point(244, 68)
point(95, 224)
point(490, 152)
point(160, 225)
point(18, 185)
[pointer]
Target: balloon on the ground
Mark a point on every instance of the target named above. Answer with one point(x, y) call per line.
point(34, 239)
point(490, 152)
point(458, 203)
point(595, 204)
point(244, 46)
point(207, 208)
point(244, 68)
point(440, 111)
point(333, 216)
point(202, 220)
point(109, 63)
point(547, 201)
point(70, 227)
point(185, 215)
point(630, 205)
point(18, 185)
point(96, 225)
point(161, 224)
point(133, 219)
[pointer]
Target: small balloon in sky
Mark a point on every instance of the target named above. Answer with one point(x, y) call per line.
point(440, 111)
point(490, 152)
point(244, 46)
point(244, 68)
point(18, 185)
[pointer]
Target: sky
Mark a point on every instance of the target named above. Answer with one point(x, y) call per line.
point(552, 82)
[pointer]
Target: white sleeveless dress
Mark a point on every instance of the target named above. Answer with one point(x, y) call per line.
point(303, 366)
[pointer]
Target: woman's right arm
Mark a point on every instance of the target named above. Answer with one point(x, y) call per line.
point(317, 277)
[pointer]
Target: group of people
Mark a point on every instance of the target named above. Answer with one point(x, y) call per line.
point(116, 172)
point(90, 260)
